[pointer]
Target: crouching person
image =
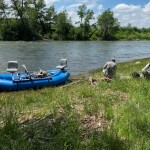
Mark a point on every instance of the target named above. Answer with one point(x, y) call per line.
point(110, 68)
point(146, 71)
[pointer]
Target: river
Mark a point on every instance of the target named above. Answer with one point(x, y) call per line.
point(82, 56)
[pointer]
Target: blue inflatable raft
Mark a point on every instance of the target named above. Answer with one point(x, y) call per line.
point(19, 81)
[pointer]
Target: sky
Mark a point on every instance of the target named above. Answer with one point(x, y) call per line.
point(135, 12)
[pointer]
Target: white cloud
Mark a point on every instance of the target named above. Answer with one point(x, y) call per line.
point(73, 6)
point(147, 7)
point(91, 6)
point(126, 8)
point(136, 15)
point(7, 2)
point(47, 2)
point(74, 16)
point(51, 2)
point(83, 1)
point(72, 10)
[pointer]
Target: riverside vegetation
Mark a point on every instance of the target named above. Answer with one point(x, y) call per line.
point(30, 20)
point(80, 115)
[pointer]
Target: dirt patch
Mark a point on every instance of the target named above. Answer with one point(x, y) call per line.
point(93, 123)
point(79, 108)
point(121, 95)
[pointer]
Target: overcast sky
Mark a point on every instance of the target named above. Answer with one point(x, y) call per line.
point(136, 12)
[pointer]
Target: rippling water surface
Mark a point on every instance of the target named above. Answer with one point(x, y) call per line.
point(82, 56)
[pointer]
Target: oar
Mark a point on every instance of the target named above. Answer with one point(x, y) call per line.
point(26, 71)
point(25, 68)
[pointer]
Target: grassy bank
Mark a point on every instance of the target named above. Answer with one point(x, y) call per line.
point(80, 115)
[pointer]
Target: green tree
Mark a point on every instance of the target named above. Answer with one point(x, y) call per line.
point(39, 14)
point(87, 26)
point(107, 24)
point(4, 12)
point(20, 25)
point(62, 26)
point(85, 16)
point(18, 8)
point(81, 13)
point(50, 18)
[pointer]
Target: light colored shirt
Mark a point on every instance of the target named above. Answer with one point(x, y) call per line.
point(110, 69)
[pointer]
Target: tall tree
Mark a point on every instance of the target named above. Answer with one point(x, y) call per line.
point(17, 6)
point(107, 24)
point(39, 6)
point(50, 18)
point(4, 11)
point(85, 17)
point(62, 25)
point(21, 26)
point(87, 26)
point(81, 13)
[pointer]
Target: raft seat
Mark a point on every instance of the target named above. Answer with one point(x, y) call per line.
point(12, 66)
point(63, 64)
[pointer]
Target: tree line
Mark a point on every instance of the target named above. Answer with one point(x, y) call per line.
point(32, 20)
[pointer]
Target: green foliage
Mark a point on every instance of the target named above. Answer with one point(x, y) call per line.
point(15, 32)
point(50, 18)
point(82, 12)
point(85, 28)
point(107, 24)
point(62, 26)
point(32, 20)
point(132, 33)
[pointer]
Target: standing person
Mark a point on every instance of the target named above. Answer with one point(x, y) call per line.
point(146, 71)
point(110, 68)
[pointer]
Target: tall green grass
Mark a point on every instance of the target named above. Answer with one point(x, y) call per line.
point(114, 115)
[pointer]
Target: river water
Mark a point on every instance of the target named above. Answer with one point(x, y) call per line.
point(82, 56)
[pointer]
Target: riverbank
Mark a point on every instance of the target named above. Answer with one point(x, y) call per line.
point(80, 115)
